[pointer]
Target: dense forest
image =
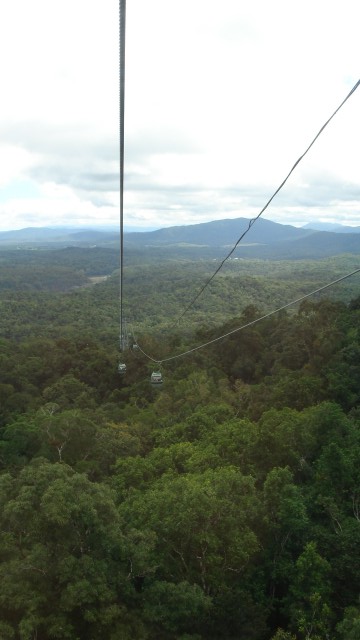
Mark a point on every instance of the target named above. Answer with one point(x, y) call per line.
point(223, 504)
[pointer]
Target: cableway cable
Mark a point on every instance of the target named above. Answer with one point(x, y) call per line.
point(253, 220)
point(248, 324)
point(122, 22)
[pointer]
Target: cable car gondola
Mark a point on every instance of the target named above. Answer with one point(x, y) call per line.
point(156, 378)
point(122, 368)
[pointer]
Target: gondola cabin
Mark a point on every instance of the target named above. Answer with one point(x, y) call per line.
point(156, 378)
point(121, 368)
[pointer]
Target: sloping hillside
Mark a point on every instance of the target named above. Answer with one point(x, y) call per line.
point(209, 240)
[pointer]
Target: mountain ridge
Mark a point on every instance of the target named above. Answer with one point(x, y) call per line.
point(331, 226)
point(265, 239)
point(219, 233)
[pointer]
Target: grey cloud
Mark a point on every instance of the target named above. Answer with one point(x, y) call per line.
point(189, 203)
point(88, 163)
point(99, 181)
point(321, 193)
point(71, 156)
point(72, 176)
point(60, 140)
point(145, 143)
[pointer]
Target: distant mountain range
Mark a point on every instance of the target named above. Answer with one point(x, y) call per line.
point(265, 239)
point(64, 236)
point(219, 233)
point(331, 226)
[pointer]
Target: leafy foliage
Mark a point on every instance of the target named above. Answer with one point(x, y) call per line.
point(224, 505)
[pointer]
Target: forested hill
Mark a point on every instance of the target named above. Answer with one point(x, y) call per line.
point(265, 239)
point(223, 506)
point(331, 226)
point(58, 237)
point(220, 233)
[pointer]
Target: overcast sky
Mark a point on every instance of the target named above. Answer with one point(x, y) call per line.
point(221, 100)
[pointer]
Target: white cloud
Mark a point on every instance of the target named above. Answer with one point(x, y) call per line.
point(220, 102)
